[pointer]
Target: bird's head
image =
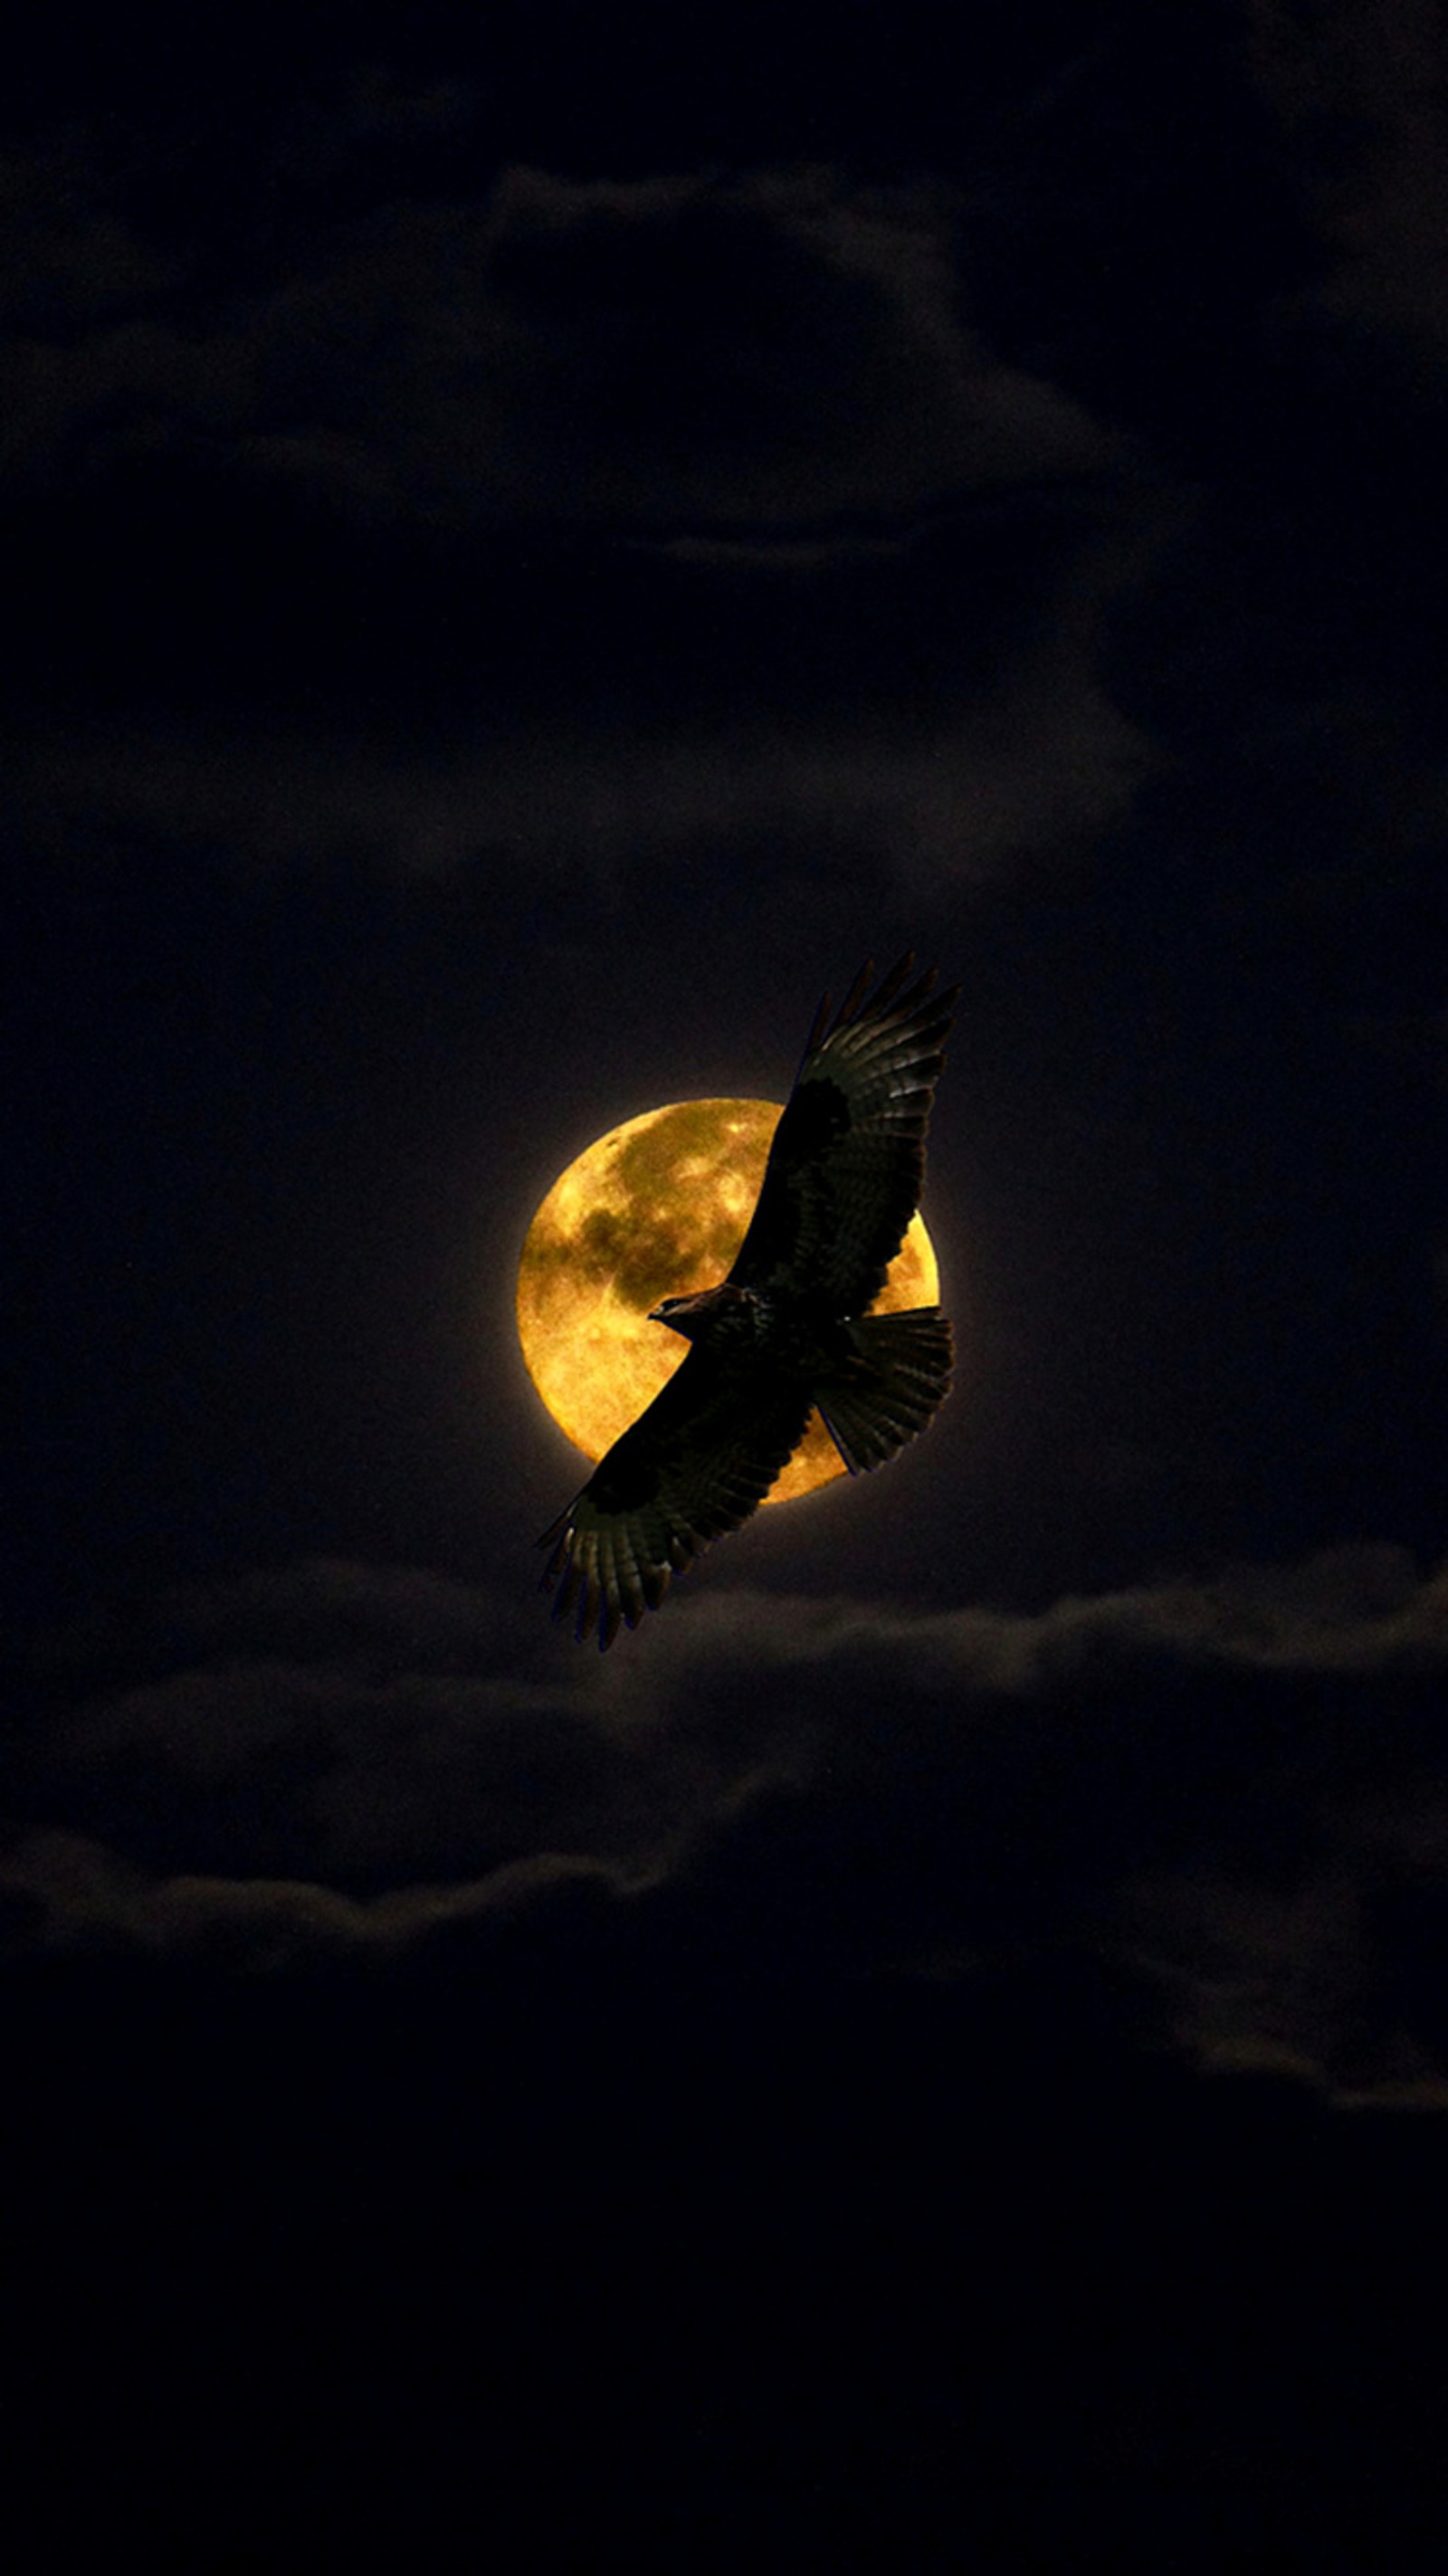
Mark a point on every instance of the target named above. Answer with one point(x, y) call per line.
point(687, 1315)
point(702, 1308)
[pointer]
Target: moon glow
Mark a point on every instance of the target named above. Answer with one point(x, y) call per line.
point(656, 1207)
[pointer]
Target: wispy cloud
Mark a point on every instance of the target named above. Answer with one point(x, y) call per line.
point(1045, 761)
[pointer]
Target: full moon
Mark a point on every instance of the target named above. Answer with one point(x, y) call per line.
point(654, 1208)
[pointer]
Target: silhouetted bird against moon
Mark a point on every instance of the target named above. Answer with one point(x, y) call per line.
point(789, 1329)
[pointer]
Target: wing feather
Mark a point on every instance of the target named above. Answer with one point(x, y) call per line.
point(696, 1463)
point(847, 1163)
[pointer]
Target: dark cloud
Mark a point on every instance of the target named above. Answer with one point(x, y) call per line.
point(1229, 1788)
point(776, 351)
point(703, 399)
point(65, 252)
point(73, 1893)
point(1361, 89)
point(1046, 762)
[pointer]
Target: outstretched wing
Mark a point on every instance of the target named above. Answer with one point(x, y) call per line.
point(696, 1463)
point(847, 1163)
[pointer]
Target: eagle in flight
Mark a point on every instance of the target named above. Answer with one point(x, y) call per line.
point(789, 1330)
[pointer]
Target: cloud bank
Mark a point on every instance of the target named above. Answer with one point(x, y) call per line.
point(1232, 1790)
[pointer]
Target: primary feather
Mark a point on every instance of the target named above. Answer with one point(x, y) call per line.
point(788, 1329)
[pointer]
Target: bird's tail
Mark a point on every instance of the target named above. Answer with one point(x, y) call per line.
point(896, 1377)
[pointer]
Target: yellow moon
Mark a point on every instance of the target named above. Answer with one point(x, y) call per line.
point(654, 1208)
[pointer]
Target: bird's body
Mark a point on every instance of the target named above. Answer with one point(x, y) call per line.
point(789, 1330)
point(746, 1327)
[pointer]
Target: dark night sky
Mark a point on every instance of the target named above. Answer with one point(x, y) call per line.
point(535, 542)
